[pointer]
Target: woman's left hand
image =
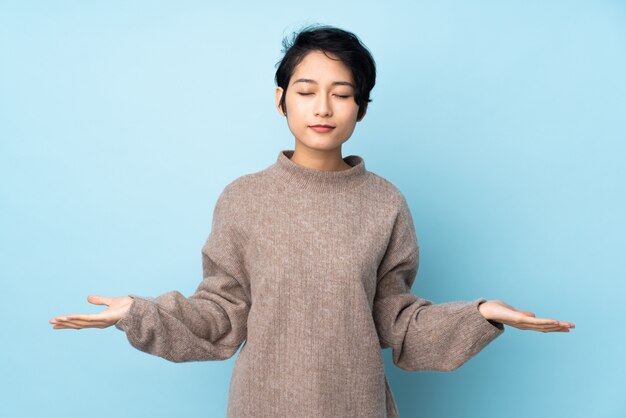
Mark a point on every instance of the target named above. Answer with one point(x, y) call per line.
point(498, 311)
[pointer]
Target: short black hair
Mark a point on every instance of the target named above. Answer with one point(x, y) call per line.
point(345, 45)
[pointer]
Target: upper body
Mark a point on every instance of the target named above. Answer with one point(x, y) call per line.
point(311, 271)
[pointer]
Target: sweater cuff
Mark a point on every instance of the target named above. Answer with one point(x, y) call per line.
point(133, 316)
point(490, 327)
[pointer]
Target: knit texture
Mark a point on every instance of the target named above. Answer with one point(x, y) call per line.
point(310, 273)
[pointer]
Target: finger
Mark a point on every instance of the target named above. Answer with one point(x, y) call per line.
point(60, 318)
point(546, 328)
point(66, 324)
point(566, 324)
point(560, 329)
point(85, 317)
point(99, 300)
point(58, 326)
point(531, 320)
point(555, 321)
point(84, 323)
point(98, 316)
point(535, 327)
point(553, 329)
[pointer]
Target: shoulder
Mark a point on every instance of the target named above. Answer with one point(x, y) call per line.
point(242, 186)
point(385, 191)
point(243, 191)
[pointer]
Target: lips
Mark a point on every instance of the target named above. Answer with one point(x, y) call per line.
point(322, 128)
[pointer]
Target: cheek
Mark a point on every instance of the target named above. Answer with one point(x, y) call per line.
point(295, 105)
point(351, 109)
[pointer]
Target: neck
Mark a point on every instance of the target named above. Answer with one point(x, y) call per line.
point(300, 178)
point(324, 160)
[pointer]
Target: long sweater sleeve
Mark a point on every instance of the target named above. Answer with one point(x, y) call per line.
point(211, 324)
point(423, 335)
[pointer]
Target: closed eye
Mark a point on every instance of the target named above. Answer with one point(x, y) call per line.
point(338, 95)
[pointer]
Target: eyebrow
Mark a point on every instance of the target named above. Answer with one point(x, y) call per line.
point(334, 83)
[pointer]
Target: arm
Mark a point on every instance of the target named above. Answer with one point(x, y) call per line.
point(211, 324)
point(423, 335)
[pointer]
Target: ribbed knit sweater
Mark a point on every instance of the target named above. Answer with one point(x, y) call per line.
point(310, 273)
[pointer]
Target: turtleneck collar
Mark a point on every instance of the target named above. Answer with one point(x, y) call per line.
point(315, 180)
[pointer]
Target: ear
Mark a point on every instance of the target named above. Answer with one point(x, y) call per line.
point(364, 112)
point(279, 93)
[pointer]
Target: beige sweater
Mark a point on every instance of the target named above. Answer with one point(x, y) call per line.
point(312, 271)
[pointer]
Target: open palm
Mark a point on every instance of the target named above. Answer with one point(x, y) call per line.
point(496, 310)
point(117, 307)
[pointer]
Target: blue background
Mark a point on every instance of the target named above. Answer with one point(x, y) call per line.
point(503, 123)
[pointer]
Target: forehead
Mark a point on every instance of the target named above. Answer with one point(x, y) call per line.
point(317, 66)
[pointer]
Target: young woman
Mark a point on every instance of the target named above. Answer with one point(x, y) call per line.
point(311, 262)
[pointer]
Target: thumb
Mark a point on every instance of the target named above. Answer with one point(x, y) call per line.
point(527, 313)
point(99, 300)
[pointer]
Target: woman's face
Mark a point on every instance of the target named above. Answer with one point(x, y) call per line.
point(320, 92)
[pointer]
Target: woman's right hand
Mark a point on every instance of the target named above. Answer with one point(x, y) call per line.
point(117, 308)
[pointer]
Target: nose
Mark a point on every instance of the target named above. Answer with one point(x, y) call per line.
point(322, 106)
